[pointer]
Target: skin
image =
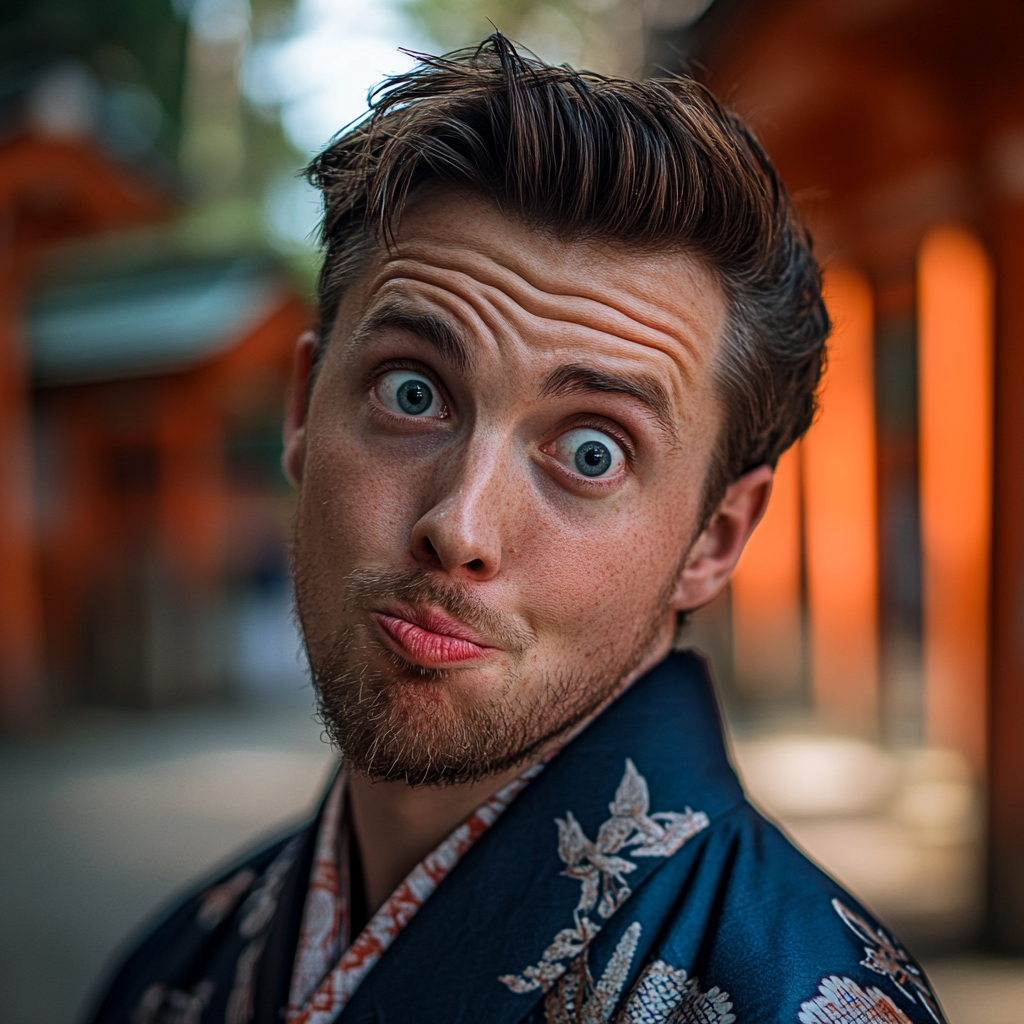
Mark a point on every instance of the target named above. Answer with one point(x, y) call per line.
point(485, 494)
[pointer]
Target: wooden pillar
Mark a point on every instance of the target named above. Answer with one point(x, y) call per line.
point(840, 515)
point(22, 681)
point(766, 614)
point(1006, 711)
point(193, 496)
point(955, 432)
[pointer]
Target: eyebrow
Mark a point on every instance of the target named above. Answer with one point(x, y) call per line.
point(438, 332)
point(573, 379)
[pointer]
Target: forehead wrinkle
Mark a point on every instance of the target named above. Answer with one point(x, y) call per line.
point(650, 326)
point(502, 316)
point(622, 324)
point(574, 378)
point(575, 339)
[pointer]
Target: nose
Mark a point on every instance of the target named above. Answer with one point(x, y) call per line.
point(462, 532)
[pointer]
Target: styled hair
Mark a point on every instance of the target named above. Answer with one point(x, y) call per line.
point(651, 166)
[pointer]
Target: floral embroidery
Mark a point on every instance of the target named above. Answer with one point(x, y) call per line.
point(256, 914)
point(575, 999)
point(601, 872)
point(886, 957)
point(665, 995)
point(240, 1001)
point(222, 899)
point(843, 1001)
point(337, 987)
point(261, 903)
point(160, 1005)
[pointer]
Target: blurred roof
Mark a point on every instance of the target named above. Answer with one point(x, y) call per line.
point(158, 321)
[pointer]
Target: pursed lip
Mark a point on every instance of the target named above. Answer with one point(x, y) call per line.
point(430, 637)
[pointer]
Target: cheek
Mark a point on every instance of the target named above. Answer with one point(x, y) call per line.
point(357, 503)
point(598, 582)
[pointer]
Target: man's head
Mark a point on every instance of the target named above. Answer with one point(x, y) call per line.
point(568, 324)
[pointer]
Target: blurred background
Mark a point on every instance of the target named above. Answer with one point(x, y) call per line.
point(156, 266)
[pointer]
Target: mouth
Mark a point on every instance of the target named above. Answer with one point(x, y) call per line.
point(430, 637)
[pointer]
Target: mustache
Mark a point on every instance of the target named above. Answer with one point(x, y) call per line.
point(366, 587)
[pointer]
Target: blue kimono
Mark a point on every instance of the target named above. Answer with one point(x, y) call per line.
point(629, 882)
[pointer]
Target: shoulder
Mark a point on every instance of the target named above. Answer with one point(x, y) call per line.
point(182, 945)
point(782, 941)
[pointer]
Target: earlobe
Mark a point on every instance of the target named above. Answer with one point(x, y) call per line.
point(714, 554)
point(296, 409)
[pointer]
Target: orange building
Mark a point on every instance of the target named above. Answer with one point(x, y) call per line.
point(49, 191)
point(139, 417)
point(899, 127)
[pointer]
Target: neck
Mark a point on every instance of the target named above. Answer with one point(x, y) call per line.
point(397, 825)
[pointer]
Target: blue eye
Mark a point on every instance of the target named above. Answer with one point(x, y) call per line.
point(590, 453)
point(410, 394)
point(415, 397)
point(593, 458)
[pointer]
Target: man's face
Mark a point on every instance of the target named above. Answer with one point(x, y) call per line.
point(501, 469)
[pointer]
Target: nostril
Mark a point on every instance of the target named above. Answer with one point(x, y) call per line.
point(476, 565)
point(428, 547)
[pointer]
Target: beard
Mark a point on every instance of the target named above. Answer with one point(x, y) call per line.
point(410, 724)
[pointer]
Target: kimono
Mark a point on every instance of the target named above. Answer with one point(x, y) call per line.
point(626, 881)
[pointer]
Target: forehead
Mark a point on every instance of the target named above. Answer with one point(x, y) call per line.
point(502, 284)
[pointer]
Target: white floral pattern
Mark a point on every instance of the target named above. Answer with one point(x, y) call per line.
point(256, 914)
point(601, 867)
point(886, 957)
point(221, 900)
point(843, 1001)
point(258, 909)
point(665, 994)
point(161, 1005)
point(575, 999)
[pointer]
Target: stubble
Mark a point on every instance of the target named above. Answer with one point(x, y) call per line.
point(400, 722)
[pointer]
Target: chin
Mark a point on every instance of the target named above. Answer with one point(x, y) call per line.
point(421, 738)
point(425, 726)
point(421, 698)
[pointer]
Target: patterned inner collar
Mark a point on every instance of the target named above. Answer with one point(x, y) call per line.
point(329, 966)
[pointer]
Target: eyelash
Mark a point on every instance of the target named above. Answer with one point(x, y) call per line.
point(615, 432)
point(413, 367)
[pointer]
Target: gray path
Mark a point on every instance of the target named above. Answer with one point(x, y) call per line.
point(105, 817)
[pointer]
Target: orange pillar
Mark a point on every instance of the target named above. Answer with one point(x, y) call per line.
point(840, 514)
point(955, 381)
point(766, 616)
point(22, 694)
point(193, 498)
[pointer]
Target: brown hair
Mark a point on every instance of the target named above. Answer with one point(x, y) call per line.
point(657, 165)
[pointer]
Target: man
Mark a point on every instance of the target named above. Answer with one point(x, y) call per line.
point(568, 325)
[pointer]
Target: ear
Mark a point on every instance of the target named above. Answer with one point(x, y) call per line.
point(714, 554)
point(296, 409)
